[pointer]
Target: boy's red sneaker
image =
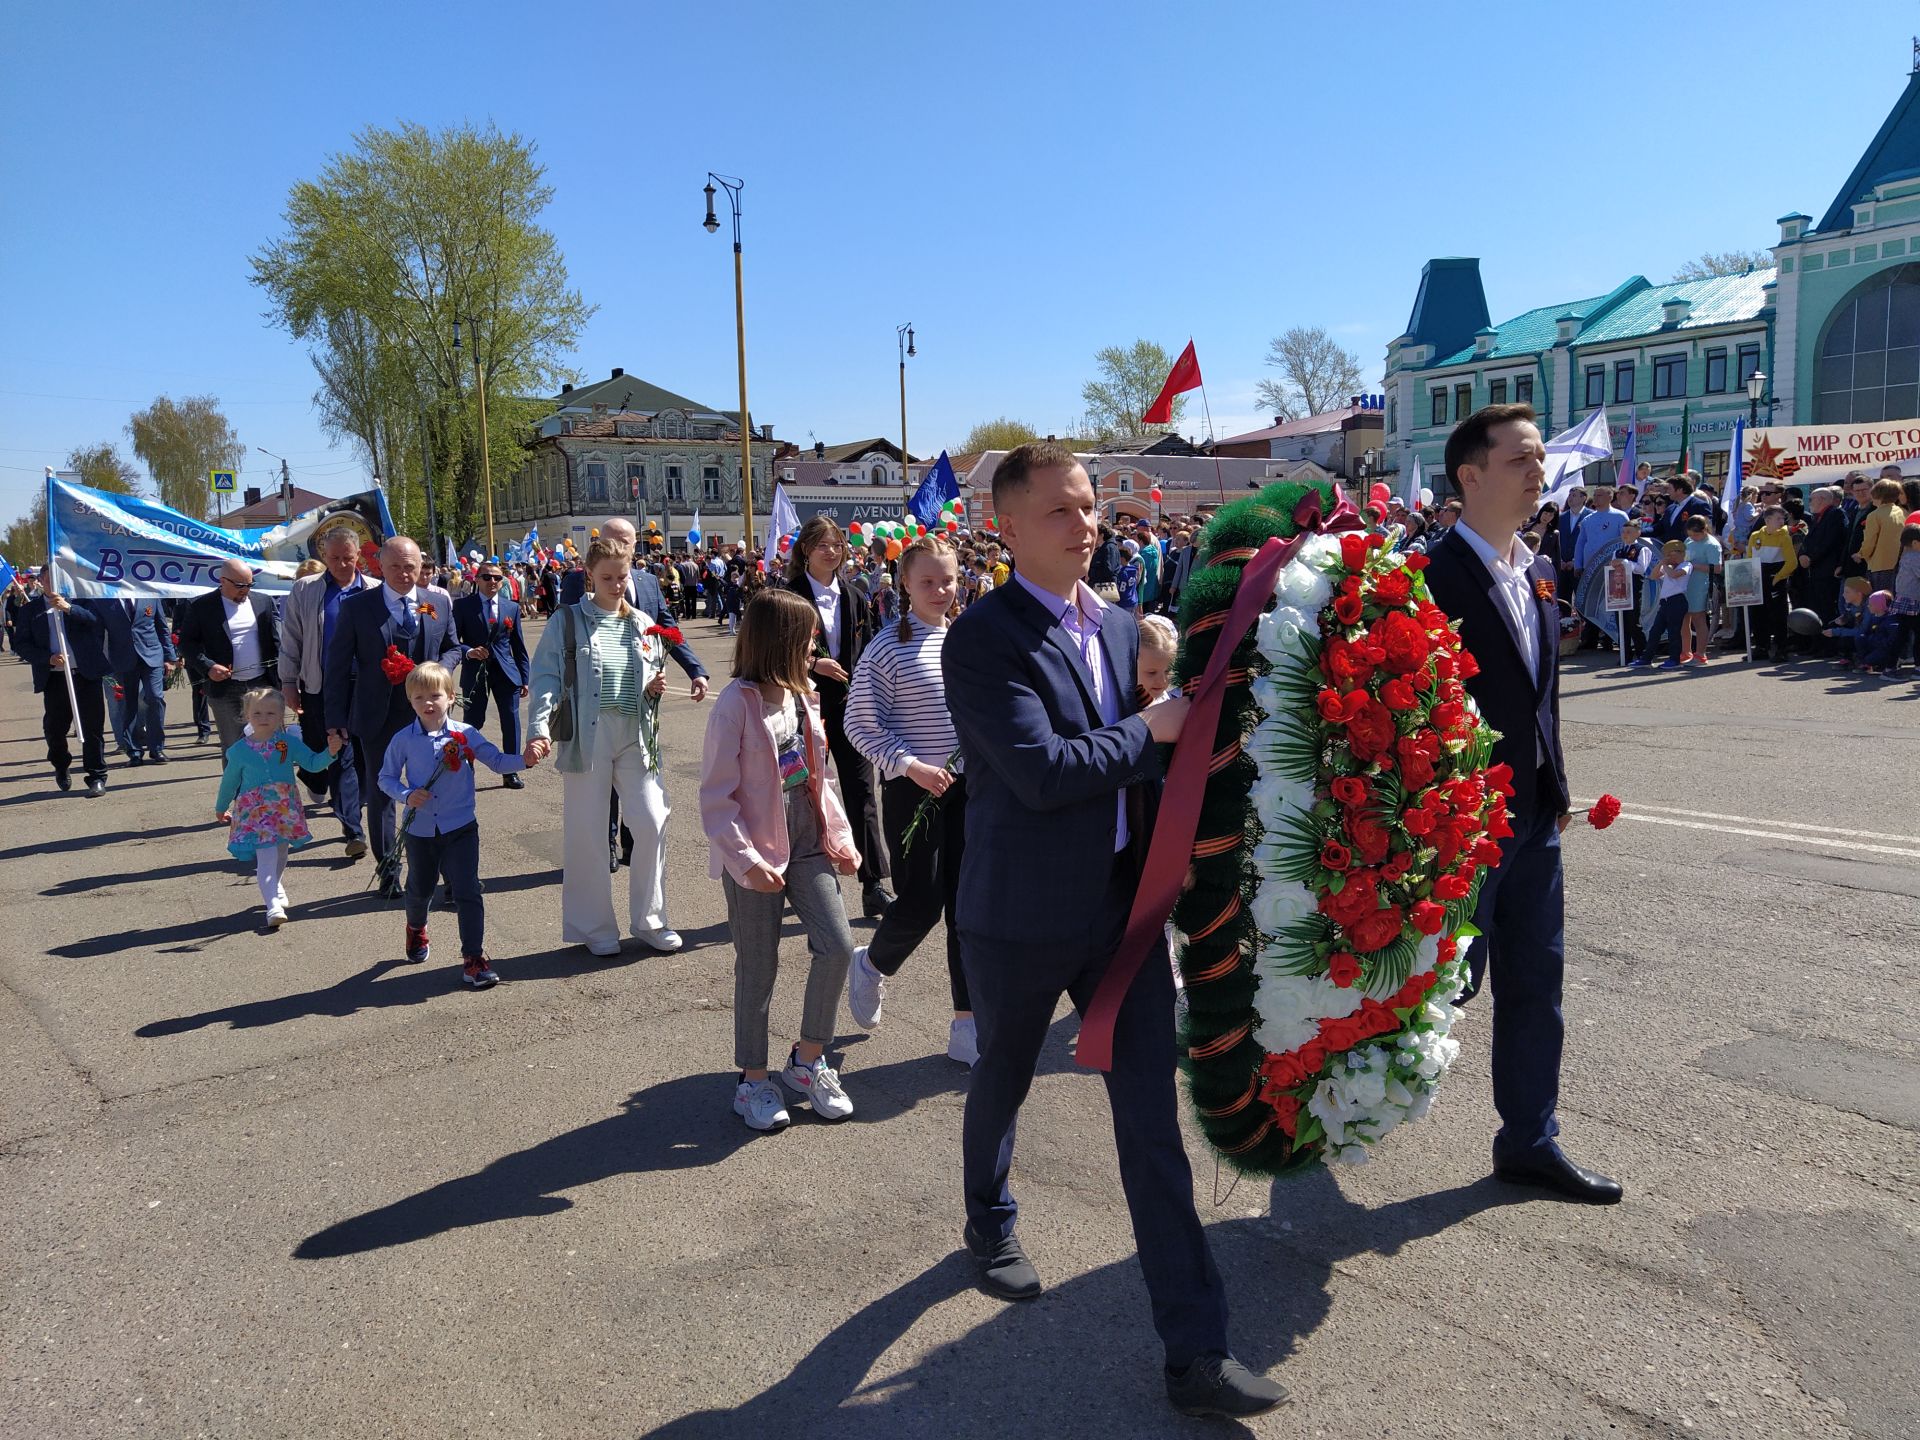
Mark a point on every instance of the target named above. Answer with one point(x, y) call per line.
point(417, 948)
point(477, 973)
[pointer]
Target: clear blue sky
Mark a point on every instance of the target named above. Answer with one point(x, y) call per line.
point(1024, 182)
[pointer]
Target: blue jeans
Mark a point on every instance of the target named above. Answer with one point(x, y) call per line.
point(1669, 621)
point(341, 779)
point(456, 857)
point(140, 718)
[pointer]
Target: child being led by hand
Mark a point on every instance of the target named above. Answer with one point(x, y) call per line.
point(257, 795)
point(429, 769)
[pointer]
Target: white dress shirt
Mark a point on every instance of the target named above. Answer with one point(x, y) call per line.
point(243, 634)
point(826, 599)
point(1515, 590)
point(397, 606)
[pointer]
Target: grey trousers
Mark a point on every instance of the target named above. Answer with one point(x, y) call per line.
point(814, 891)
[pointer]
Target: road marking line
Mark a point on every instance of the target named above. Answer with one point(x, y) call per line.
point(1816, 840)
point(1777, 824)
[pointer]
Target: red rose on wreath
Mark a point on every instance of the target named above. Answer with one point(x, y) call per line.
point(1406, 644)
point(1468, 666)
point(1353, 550)
point(1378, 930)
point(1370, 729)
point(1396, 869)
point(1335, 856)
point(1351, 790)
point(1345, 663)
point(1347, 608)
point(1451, 887)
point(1343, 968)
point(1370, 838)
point(1416, 561)
point(395, 666)
point(1397, 694)
point(1428, 917)
point(1330, 707)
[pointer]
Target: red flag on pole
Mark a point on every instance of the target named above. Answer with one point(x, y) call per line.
point(1185, 376)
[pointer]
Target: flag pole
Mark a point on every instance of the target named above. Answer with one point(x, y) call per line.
point(1207, 410)
point(55, 621)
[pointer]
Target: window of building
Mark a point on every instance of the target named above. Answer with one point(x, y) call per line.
point(1462, 401)
point(1496, 392)
point(1669, 377)
point(710, 483)
point(593, 476)
point(1393, 415)
point(1869, 365)
point(1713, 467)
point(1596, 385)
point(630, 429)
point(1126, 482)
point(877, 476)
point(1439, 412)
point(1623, 382)
point(676, 482)
point(1716, 372)
point(1523, 390)
point(636, 479)
point(1749, 362)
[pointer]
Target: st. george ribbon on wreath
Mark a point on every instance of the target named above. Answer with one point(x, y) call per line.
point(1328, 815)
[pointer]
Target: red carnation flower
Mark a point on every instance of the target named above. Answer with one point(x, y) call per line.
point(1370, 838)
point(1393, 588)
point(1450, 715)
point(1449, 947)
point(1486, 852)
point(1335, 856)
point(1343, 968)
point(1603, 812)
point(395, 666)
point(1469, 667)
point(1450, 887)
point(1397, 694)
point(1405, 643)
point(669, 633)
point(1417, 823)
point(1396, 869)
point(1499, 779)
point(1370, 729)
point(1416, 561)
point(1351, 790)
point(1379, 929)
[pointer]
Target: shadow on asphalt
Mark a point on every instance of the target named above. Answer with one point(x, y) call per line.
point(110, 837)
point(675, 1125)
point(1054, 1366)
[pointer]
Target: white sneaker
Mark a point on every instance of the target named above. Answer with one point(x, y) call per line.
point(661, 937)
point(276, 916)
point(758, 1103)
point(605, 949)
point(963, 1042)
point(866, 991)
point(817, 1083)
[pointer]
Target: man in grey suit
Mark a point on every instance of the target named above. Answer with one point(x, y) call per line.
point(307, 622)
point(140, 649)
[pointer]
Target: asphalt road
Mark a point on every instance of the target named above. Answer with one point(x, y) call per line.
point(263, 1185)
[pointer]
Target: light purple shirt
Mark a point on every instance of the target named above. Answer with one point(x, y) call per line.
point(1080, 618)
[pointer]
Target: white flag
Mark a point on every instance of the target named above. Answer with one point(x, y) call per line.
point(784, 521)
point(1416, 481)
point(1570, 452)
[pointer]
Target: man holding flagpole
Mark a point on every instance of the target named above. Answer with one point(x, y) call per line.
point(64, 643)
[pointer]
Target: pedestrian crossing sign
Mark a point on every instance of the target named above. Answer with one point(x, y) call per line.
point(222, 481)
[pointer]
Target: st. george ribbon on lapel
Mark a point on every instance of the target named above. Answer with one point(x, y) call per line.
point(1173, 831)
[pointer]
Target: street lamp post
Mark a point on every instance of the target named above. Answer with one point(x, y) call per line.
point(733, 188)
point(1757, 396)
point(486, 460)
point(903, 334)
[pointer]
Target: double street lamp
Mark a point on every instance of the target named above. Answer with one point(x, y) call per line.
point(486, 460)
point(733, 188)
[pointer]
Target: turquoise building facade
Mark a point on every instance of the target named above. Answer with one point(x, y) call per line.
point(1833, 324)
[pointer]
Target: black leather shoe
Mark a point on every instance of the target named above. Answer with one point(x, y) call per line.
point(159, 757)
point(63, 780)
point(874, 900)
point(514, 782)
point(1004, 1268)
point(96, 787)
point(1221, 1385)
point(134, 757)
point(1551, 1170)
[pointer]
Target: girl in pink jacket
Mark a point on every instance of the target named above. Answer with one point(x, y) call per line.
point(777, 834)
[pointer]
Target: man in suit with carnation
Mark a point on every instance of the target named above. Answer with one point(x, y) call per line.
point(1504, 598)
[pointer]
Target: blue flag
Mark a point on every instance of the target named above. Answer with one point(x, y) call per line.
point(938, 486)
point(1736, 466)
point(6, 575)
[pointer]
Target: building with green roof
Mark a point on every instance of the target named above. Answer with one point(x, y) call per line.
point(1833, 326)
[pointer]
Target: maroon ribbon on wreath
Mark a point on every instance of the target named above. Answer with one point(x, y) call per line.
point(1167, 855)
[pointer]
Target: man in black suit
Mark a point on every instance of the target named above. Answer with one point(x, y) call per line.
point(846, 625)
point(85, 629)
point(488, 624)
point(230, 639)
point(1062, 784)
point(1503, 597)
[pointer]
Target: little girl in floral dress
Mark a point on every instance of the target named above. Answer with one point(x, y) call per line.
point(258, 798)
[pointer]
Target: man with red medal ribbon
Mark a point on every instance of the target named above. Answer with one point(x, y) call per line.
point(1503, 596)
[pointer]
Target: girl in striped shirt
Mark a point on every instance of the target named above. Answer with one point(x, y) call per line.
point(897, 717)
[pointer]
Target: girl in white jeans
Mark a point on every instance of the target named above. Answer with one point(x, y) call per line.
point(598, 672)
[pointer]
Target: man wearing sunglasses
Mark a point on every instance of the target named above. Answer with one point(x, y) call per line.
point(230, 642)
point(494, 656)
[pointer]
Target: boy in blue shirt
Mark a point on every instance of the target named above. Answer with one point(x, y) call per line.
point(429, 770)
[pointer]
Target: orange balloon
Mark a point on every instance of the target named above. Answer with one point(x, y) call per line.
point(894, 547)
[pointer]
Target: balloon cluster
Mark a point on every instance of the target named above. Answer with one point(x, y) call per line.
point(896, 535)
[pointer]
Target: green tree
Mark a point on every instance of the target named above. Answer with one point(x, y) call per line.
point(100, 466)
point(396, 241)
point(1318, 374)
point(1723, 262)
point(1128, 382)
point(179, 442)
point(999, 434)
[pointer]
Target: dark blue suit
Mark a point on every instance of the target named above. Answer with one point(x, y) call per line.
point(139, 647)
point(86, 628)
point(1521, 913)
point(1043, 903)
point(360, 700)
point(502, 674)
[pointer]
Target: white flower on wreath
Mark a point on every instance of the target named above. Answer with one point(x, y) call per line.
point(1285, 635)
point(1278, 905)
point(1277, 800)
point(1302, 583)
point(1291, 1008)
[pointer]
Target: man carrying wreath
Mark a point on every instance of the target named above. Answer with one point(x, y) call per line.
point(1503, 597)
point(379, 636)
